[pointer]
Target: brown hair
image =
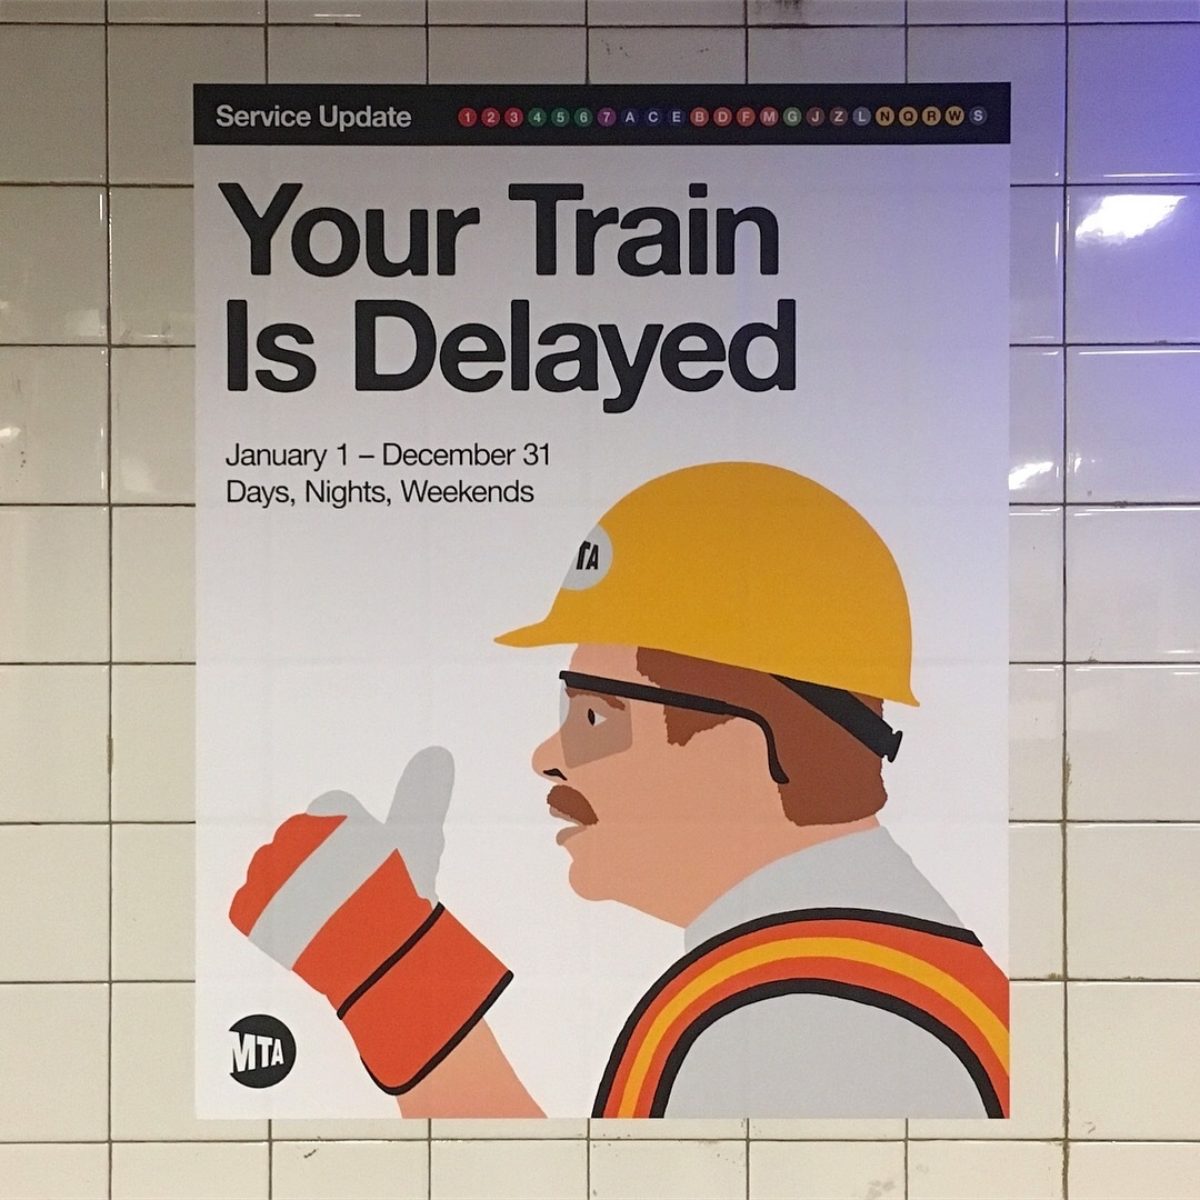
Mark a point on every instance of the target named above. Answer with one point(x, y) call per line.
point(832, 777)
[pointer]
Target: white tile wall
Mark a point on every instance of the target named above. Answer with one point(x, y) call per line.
point(826, 55)
point(1130, 1074)
point(53, 1172)
point(1128, 734)
point(52, 271)
point(1130, 424)
point(54, 896)
point(350, 1171)
point(666, 1170)
point(826, 12)
point(985, 1171)
point(826, 1170)
point(96, 759)
point(53, 425)
point(183, 1171)
point(54, 743)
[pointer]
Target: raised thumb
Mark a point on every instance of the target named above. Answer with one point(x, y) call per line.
point(423, 793)
point(418, 813)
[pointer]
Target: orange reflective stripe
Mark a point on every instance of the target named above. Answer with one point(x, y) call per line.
point(936, 976)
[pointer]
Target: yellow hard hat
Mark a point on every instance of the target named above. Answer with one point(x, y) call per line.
point(745, 564)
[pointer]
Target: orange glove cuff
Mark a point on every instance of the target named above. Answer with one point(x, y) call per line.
point(422, 1001)
point(406, 977)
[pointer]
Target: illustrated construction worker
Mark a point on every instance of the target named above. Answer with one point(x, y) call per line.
point(737, 628)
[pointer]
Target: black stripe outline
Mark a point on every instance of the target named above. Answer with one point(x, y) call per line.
point(865, 915)
point(844, 991)
point(389, 962)
point(437, 1060)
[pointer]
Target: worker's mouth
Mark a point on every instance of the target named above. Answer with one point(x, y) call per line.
point(569, 805)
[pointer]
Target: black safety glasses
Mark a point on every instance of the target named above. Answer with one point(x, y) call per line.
point(839, 706)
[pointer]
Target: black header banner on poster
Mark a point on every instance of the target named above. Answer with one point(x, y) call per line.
point(874, 114)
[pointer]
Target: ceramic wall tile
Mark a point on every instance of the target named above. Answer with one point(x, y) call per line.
point(54, 894)
point(153, 902)
point(1035, 901)
point(825, 1170)
point(1035, 742)
point(361, 12)
point(1133, 584)
point(153, 415)
point(449, 1129)
point(53, 272)
point(509, 1170)
point(507, 12)
point(983, 12)
point(985, 1171)
point(200, 12)
point(1036, 284)
point(1131, 420)
point(152, 297)
point(1035, 584)
point(151, 70)
point(1133, 111)
point(48, 11)
point(52, 104)
point(54, 605)
point(351, 1129)
point(314, 55)
point(350, 1171)
point(1129, 264)
point(1032, 57)
point(513, 55)
point(681, 1128)
point(663, 1170)
point(216, 1171)
point(153, 600)
point(154, 754)
point(53, 1172)
point(826, 55)
point(1131, 891)
point(1129, 737)
point(667, 55)
point(1131, 1075)
point(53, 425)
point(1035, 439)
point(54, 743)
point(826, 12)
point(1133, 10)
point(1134, 1171)
point(54, 1046)
point(850, 1130)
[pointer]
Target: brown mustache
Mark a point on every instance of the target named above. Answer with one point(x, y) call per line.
point(573, 804)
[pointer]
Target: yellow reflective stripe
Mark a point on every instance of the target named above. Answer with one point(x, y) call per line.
point(851, 949)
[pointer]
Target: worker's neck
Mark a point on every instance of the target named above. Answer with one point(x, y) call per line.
point(740, 858)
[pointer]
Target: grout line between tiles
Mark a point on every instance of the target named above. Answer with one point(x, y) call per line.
point(108, 496)
point(1066, 761)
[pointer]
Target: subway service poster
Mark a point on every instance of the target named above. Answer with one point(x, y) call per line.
point(602, 601)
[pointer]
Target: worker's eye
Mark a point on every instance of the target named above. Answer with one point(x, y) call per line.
point(594, 717)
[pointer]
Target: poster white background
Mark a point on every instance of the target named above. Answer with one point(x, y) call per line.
point(333, 644)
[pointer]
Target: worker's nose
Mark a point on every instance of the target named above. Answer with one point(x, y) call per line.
point(548, 758)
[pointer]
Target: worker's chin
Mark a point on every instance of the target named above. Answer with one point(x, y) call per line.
point(586, 875)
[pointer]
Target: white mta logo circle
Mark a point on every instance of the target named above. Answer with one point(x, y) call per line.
point(264, 1051)
point(591, 561)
